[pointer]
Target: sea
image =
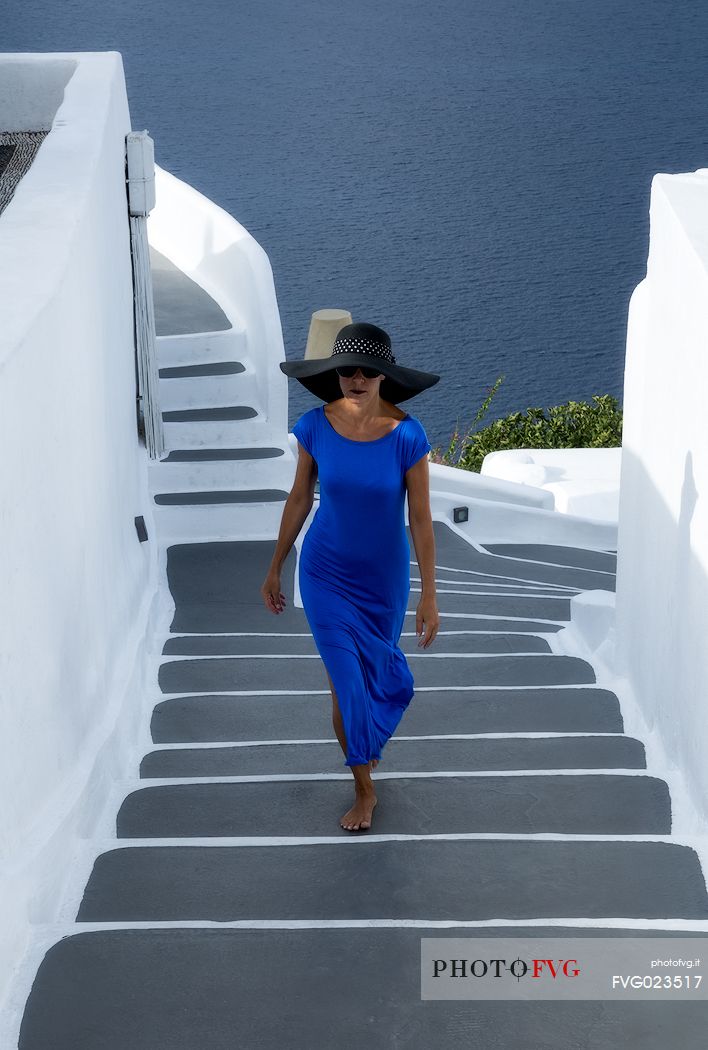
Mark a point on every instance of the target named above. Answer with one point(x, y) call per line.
point(473, 176)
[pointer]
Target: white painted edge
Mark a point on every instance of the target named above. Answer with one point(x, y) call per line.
point(497, 594)
point(532, 588)
point(114, 843)
point(494, 579)
point(508, 576)
point(206, 745)
point(553, 564)
point(186, 657)
point(262, 778)
point(496, 616)
point(697, 925)
point(404, 634)
point(199, 694)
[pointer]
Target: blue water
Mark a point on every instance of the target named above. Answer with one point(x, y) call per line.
point(472, 175)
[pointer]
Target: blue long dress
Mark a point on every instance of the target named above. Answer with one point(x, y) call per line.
point(354, 573)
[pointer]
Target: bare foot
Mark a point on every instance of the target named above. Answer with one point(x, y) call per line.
point(358, 818)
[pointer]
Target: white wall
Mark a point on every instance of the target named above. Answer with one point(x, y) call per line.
point(662, 581)
point(75, 582)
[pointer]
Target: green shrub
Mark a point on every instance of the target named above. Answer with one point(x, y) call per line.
point(576, 424)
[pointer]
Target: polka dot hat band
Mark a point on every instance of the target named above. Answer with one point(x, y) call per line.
point(374, 347)
point(359, 344)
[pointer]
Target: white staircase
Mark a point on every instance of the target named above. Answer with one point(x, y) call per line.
point(228, 467)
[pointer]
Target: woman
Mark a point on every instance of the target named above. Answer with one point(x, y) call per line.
point(354, 567)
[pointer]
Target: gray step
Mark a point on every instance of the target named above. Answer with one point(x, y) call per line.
point(208, 455)
point(408, 879)
point(460, 642)
point(189, 499)
point(207, 368)
point(235, 612)
point(181, 305)
point(458, 578)
point(618, 752)
point(197, 719)
point(198, 570)
point(583, 804)
point(241, 609)
point(315, 989)
point(201, 577)
point(526, 606)
point(452, 551)
point(209, 415)
point(307, 672)
point(198, 615)
point(532, 590)
point(558, 554)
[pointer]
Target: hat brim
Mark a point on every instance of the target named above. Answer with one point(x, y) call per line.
point(320, 377)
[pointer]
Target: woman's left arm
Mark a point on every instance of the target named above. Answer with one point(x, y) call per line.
point(421, 523)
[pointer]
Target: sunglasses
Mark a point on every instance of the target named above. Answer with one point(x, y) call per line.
point(349, 371)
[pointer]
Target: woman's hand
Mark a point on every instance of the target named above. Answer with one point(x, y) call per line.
point(272, 595)
point(427, 613)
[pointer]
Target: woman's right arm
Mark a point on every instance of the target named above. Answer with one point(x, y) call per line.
point(297, 507)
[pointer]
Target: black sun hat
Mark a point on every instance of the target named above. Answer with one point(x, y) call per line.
point(359, 344)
